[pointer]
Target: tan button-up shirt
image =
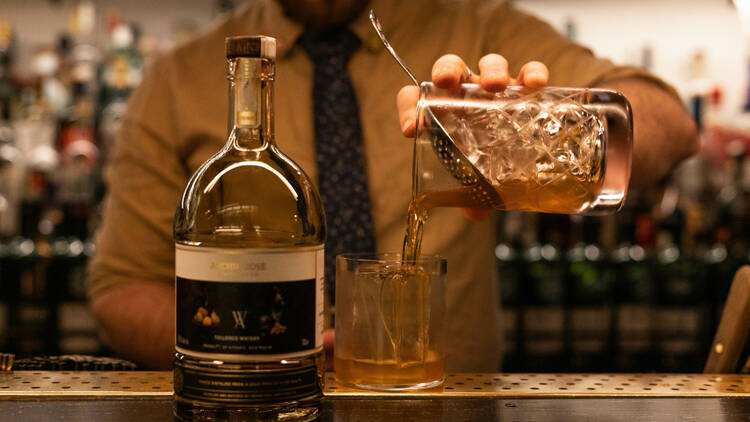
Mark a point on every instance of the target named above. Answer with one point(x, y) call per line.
point(177, 119)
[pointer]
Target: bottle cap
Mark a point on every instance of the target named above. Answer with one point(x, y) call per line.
point(251, 46)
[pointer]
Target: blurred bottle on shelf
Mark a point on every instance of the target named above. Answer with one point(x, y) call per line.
point(635, 294)
point(681, 294)
point(32, 313)
point(697, 87)
point(11, 158)
point(77, 188)
point(543, 314)
point(50, 90)
point(713, 116)
point(77, 123)
point(510, 267)
point(76, 175)
point(35, 129)
point(11, 186)
point(121, 73)
point(589, 301)
point(76, 327)
point(85, 56)
point(9, 88)
point(11, 183)
point(730, 234)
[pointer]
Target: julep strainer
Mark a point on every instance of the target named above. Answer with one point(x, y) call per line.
point(449, 155)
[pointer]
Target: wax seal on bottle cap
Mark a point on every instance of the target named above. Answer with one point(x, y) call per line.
point(251, 46)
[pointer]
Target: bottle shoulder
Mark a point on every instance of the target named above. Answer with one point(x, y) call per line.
point(237, 196)
point(241, 172)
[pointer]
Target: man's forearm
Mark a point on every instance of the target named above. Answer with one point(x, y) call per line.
point(138, 320)
point(663, 135)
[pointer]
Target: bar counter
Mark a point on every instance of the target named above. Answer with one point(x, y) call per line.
point(147, 396)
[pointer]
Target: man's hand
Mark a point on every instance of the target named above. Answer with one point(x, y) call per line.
point(449, 71)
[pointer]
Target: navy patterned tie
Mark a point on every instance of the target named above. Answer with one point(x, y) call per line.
point(342, 169)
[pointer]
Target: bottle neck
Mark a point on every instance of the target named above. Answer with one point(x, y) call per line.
point(250, 102)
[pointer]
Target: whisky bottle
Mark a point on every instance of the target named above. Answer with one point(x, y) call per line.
point(249, 234)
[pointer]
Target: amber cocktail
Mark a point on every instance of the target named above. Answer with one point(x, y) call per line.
point(389, 321)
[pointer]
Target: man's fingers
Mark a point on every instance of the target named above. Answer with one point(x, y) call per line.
point(533, 75)
point(449, 71)
point(406, 102)
point(493, 71)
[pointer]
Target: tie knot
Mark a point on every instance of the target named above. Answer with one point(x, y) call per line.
point(332, 47)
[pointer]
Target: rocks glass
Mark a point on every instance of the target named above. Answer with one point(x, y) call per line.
point(389, 321)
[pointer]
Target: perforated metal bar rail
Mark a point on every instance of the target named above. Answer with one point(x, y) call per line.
point(104, 384)
point(572, 385)
point(85, 384)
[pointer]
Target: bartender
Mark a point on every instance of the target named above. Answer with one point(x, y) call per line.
point(330, 65)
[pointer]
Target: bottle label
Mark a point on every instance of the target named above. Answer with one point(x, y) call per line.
point(245, 387)
point(249, 303)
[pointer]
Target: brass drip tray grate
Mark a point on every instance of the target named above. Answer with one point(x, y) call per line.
point(85, 383)
point(567, 385)
point(93, 384)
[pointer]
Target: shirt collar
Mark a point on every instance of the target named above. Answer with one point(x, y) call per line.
point(277, 24)
point(267, 17)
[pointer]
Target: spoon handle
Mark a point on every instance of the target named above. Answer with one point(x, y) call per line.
point(379, 30)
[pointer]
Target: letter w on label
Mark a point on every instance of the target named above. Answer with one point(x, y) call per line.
point(239, 318)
